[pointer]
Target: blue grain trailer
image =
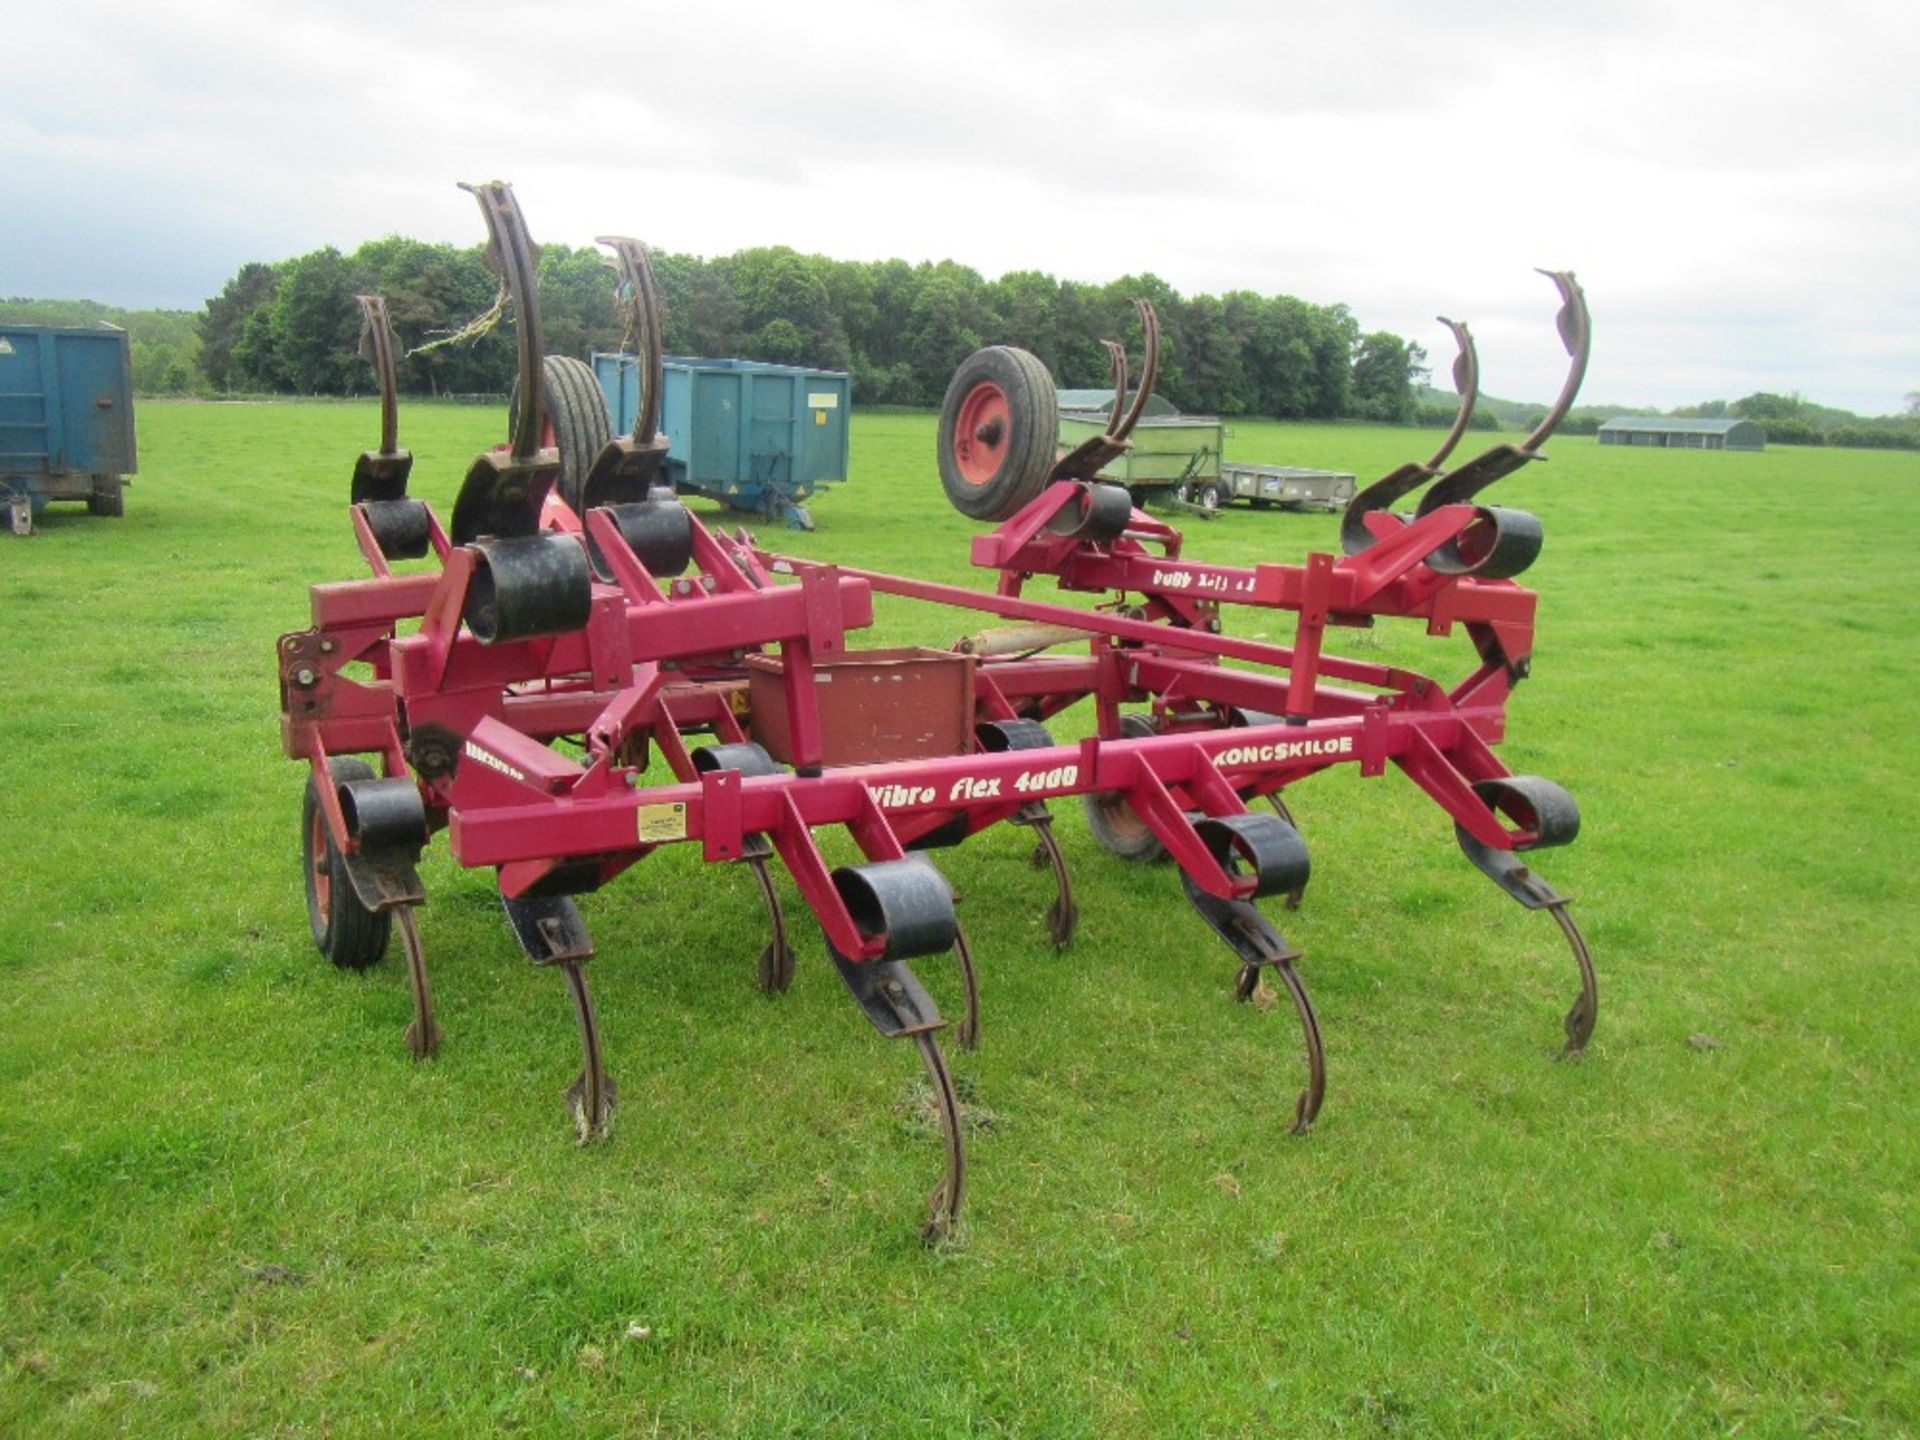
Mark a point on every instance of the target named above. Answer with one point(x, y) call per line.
point(66, 419)
point(755, 437)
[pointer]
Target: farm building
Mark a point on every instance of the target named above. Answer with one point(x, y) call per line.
point(1683, 434)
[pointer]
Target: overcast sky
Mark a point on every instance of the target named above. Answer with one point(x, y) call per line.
point(1736, 185)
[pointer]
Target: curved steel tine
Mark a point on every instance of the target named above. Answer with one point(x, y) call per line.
point(944, 1200)
point(776, 960)
point(510, 251)
point(1466, 384)
point(1117, 374)
point(1149, 367)
point(635, 266)
point(1463, 482)
point(967, 1032)
point(1576, 333)
point(1308, 1106)
point(423, 1036)
point(593, 1096)
point(1586, 1009)
point(1063, 916)
point(380, 336)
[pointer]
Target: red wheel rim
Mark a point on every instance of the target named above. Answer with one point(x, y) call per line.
point(980, 433)
point(321, 867)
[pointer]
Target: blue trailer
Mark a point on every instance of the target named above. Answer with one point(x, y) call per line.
point(755, 437)
point(66, 419)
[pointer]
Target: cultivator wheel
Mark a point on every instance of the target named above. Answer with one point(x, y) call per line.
point(578, 425)
point(345, 931)
point(999, 424)
point(1111, 818)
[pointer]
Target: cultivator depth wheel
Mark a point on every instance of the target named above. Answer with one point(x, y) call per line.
point(1110, 817)
point(345, 931)
point(999, 425)
point(578, 425)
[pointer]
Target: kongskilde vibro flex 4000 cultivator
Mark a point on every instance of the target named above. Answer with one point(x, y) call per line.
point(576, 600)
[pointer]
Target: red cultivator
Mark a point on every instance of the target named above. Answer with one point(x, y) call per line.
point(594, 608)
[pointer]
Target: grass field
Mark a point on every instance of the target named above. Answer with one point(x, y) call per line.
point(231, 1205)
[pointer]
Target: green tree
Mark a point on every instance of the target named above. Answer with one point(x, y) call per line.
point(226, 315)
point(578, 309)
point(1765, 406)
point(1384, 367)
point(316, 325)
point(944, 325)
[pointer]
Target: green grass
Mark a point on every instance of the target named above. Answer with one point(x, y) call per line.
point(1661, 1238)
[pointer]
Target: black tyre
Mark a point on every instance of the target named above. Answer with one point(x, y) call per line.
point(1210, 496)
point(109, 497)
point(346, 932)
point(578, 424)
point(999, 427)
point(1111, 818)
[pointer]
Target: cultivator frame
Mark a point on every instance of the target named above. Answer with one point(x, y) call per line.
point(624, 624)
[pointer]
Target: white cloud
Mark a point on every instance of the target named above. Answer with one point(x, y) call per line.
point(1737, 185)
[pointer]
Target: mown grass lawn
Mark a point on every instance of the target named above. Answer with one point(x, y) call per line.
point(230, 1204)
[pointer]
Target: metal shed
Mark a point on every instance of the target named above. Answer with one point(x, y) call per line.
point(1658, 430)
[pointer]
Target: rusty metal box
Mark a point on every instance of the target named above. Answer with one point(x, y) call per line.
point(905, 704)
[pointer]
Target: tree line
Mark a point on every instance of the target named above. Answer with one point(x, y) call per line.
point(898, 329)
point(292, 327)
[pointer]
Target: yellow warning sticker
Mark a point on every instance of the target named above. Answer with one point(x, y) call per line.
point(819, 417)
point(663, 822)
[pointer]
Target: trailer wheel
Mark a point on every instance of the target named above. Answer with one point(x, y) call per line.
point(578, 424)
point(109, 497)
point(999, 427)
point(1111, 819)
point(345, 931)
point(1211, 496)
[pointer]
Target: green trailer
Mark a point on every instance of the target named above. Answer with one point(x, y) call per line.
point(1170, 451)
point(1175, 460)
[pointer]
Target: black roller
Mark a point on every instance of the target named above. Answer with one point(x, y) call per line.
point(906, 903)
point(659, 532)
point(400, 527)
point(996, 737)
point(1272, 849)
point(383, 813)
point(1538, 806)
point(1100, 512)
point(528, 586)
point(1500, 544)
point(748, 758)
